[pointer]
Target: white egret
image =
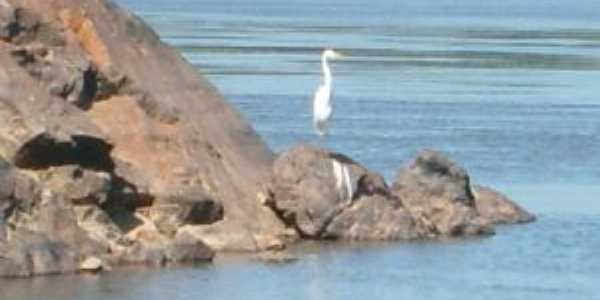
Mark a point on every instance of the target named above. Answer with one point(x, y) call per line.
point(323, 101)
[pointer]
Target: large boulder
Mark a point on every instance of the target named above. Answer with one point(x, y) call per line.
point(95, 109)
point(436, 189)
point(305, 192)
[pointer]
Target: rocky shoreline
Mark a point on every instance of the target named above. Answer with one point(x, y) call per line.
point(114, 150)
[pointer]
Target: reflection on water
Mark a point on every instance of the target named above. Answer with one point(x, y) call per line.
point(508, 88)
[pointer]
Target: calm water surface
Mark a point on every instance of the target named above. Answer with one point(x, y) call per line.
point(511, 89)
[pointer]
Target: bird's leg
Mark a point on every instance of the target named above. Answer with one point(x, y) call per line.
point(319, 143)
point(322, 141)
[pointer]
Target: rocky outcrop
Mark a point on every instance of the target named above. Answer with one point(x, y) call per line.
point(113, 150)
point(431, 197)
point(113, 141)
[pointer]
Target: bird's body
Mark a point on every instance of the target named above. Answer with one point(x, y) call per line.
point(323, 100)
point(322, 109)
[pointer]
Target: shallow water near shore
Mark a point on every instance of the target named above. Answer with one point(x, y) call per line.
point(510, 90)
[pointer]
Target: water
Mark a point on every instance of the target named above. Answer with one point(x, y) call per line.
point(510, 89)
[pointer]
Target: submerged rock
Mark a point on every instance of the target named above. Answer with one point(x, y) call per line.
point(276, 257)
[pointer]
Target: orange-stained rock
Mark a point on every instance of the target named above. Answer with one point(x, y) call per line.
point(84, 29)
point(86, 84)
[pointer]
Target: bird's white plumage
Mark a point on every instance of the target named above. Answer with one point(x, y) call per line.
point(323, 100)
point(322, 109)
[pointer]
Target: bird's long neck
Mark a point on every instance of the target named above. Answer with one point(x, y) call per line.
point(326, 71)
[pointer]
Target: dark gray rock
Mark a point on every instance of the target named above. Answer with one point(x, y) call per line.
point(304, 191)
point(435, 189)
point(304, 188)
point(433, 175)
